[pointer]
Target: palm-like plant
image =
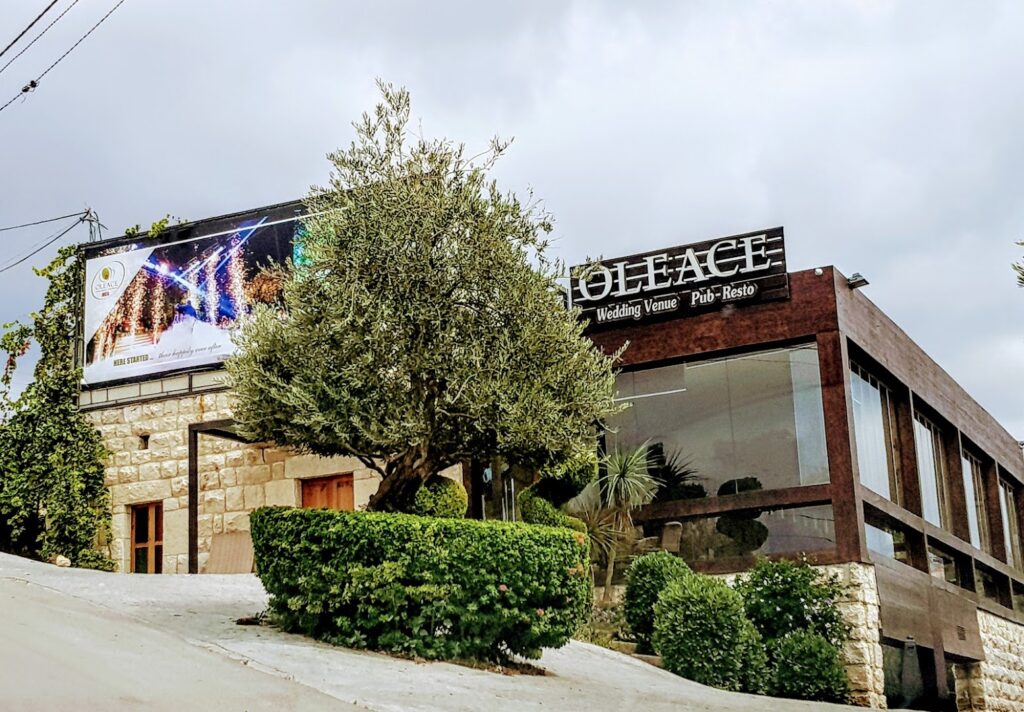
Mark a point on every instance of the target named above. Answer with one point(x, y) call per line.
point(625, 483)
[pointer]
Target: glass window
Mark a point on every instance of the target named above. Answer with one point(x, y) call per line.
point(931, 471)
point(993, 586)
point(746, 534)
point(874, 434)
point(1011, 525)
point(742, 423)
point(974, 496)
point(887, 541)
point(943, 565)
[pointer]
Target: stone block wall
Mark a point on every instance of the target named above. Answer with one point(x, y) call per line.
point(148, 443)
point(997, 683)
point(863, 650)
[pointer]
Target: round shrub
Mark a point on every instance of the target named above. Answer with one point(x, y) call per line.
point(441, 497)
point(534, 509)
point(701, 633)
point(560, 483)
point(784, 597)
point(807, 667)
point(646, 578)
point(429, 587)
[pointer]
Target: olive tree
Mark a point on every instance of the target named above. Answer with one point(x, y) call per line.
point(421, 323)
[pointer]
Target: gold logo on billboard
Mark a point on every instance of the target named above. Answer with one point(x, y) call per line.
point(108, 280)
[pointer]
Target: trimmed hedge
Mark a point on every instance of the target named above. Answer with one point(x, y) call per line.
point(534, 509)
point(433, 588)
point(646, 578)
point(807, 667)
point(701, 633)
point(441, 497)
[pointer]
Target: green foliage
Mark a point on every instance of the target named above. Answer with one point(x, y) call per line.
point(52, 496)
point(441, 497)
point(562, 481)
point(701, 633)
point(433, 588)
point(534, 509)
point(784, 597)
point(155, 230)
point(425, 325)
point(646, 578)
point(807, 667)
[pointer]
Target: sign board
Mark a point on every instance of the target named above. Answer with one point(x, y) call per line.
point(742, 269)
point(169, 304)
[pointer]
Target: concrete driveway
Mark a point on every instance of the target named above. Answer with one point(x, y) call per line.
point(84, 640)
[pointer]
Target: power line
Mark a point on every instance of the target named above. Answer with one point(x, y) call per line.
point(43, 246)
point(22, 33)
point(36, 38)
point(31, 86)
point(40, 222)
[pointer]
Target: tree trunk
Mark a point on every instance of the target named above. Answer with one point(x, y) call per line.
point(403, 477)
point(609, 574)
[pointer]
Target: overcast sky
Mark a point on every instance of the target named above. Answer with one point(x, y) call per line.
point(887, 137)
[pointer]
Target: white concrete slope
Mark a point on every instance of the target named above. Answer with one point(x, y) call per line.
point(83, 640)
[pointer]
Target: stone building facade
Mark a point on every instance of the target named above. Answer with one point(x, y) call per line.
point(149, 462)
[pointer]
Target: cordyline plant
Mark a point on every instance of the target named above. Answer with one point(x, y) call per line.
point(423, 324)
point(52, 497)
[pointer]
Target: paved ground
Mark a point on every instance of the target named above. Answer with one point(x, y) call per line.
point(84, 640)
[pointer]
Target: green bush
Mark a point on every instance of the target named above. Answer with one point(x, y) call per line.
point(784, 597)
point(441, 497)
point(701, 633)
point(807, 667)
point(434, 588)
point(560, 483)
point(536, 510)
point(645, 580)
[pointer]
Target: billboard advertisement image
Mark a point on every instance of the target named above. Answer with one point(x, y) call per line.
point(154, 307)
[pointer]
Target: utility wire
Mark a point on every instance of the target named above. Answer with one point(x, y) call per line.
point(36, 38)
point(22, 33)
point(43, 246)
point(40, 222)
point(31, 86)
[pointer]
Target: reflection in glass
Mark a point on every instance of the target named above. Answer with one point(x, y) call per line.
point(873, 432)
point(974, 496)
point(751, 533)
point(931, 471)
point(1011, 528)
point(746, 422)
point(887, 541)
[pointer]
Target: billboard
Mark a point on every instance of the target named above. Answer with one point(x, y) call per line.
point(170, 304)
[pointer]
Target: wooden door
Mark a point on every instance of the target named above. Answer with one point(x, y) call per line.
point(334, 492)
point(147, 543)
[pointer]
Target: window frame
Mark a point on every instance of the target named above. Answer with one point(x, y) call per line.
point(153, 543)
point(1010, 523)
point(973, 473)
point(890, 431)
point(940, 471)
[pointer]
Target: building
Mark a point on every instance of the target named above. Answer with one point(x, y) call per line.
point(805, 422)
point(793, 415)
point(155, 332)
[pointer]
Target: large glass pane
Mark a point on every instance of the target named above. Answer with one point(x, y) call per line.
point(931, 471)
point(887, 541)
point(741, 423)
point(974, 495)
point(1011, 533)
point(746, 534)
point(872, 426)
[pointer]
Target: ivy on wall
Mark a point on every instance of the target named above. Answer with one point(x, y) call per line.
point(52, 496)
